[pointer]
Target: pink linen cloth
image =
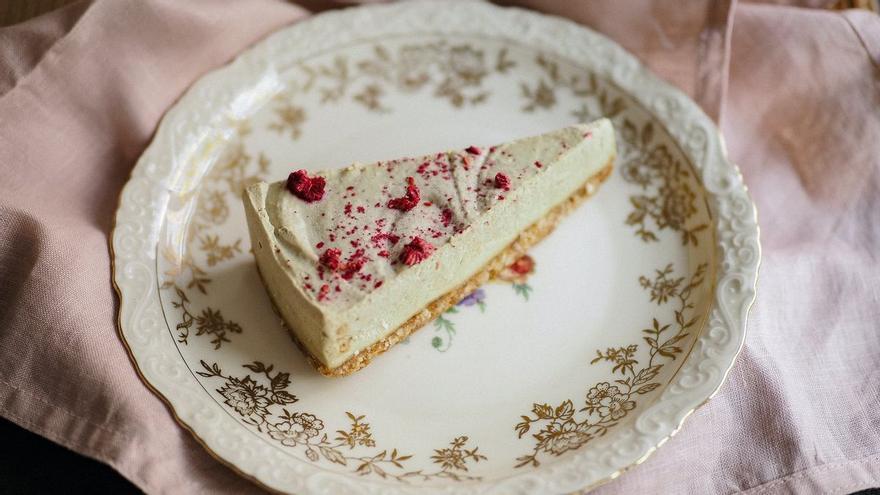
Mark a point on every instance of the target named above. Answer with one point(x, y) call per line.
point(796, 92)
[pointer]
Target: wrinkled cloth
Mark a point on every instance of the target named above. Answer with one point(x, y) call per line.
point(796, 92)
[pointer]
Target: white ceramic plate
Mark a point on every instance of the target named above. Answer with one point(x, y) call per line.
point(553, 381)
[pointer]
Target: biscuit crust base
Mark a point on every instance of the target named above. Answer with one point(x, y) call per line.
point(526, 239)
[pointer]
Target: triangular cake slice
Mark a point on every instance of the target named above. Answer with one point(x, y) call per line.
point(356, 259)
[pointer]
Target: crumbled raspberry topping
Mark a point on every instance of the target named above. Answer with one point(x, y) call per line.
point(446, 217)
point(409, 200)
point(539, 164)
point(392, 238)
point(502, 181)
point(473, 150)
point(322, 292)
point(416, 251)
point(354, 264)
point(330, 259)
point(306, 188)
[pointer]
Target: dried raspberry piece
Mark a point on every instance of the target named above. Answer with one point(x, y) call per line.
point(446, 217)
point(354, 264)
point(322, 292)
point(524, 265)
point(392, 238)
point(416, 251)
point(502, 181)
point(408, 201)
point(473, 150)
point(330, 259)
point(306, 188)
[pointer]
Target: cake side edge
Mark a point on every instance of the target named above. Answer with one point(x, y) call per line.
point(288, 300)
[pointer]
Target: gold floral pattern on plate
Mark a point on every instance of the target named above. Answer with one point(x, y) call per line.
point(263, 403)
point(453, 71)
point(606, 403)
point(220, 191)
point(669, 197)
point(208, 322)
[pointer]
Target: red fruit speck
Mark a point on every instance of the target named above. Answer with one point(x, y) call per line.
point(473, 150)
point(322, 292)
point(524, 265)
point(502, 181)
point(409, 200)
point(539, 164)
point(330, 258)
point(360, 209)
point(306, 188)
point(319, 245)
point(384, 253)
point(377, 284)
point(446, 217)
point(354, 264)
point(416, 251)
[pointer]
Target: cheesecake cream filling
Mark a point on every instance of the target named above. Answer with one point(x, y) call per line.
point(462, 211)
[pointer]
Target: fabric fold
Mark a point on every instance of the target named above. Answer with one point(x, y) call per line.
point(796, 92)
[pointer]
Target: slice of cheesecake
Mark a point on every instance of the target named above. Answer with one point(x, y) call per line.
point(357, 259)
